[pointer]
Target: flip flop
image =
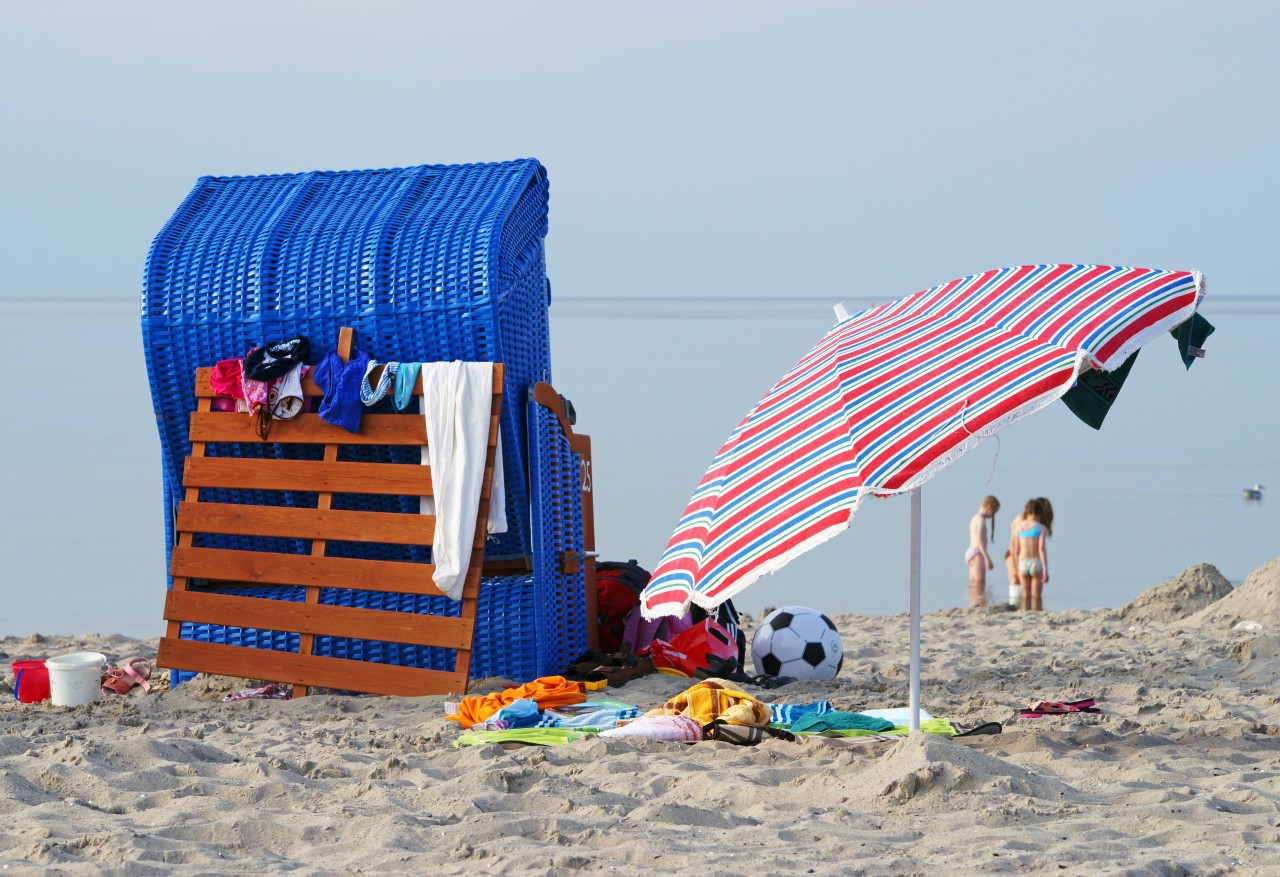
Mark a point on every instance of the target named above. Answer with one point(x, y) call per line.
point(121, 679)
point(616, 676)
point(597, 669)
point(1060, 708)
point(978, 730)
point(271, 691)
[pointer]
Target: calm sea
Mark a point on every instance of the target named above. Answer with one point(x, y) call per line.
point(659, 385)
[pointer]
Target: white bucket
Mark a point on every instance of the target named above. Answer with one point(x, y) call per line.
point(1015, 596)
point(76, 678)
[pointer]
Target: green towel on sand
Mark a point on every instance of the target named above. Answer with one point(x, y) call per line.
point(538, 736)
point(839, 721)
point(942, 727)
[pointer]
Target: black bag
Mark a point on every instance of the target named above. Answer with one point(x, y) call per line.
point(743, 735)
point(727, 617)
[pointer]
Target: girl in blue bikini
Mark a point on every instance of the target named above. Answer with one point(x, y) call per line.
point(1036, 526)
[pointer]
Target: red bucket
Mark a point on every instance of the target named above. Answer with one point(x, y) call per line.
point(30, 681)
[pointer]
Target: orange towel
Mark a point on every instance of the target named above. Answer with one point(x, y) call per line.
point(712, 700)
point(546, 692)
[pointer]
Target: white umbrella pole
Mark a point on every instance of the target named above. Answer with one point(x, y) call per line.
point(915, 609)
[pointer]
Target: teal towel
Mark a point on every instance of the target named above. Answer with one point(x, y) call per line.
point(1095, 391)
point(1193, 333)
point(838, 721)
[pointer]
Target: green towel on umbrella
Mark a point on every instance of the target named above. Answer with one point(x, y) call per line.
point(1095, 391)
point(1191, 337)
point(839, 721)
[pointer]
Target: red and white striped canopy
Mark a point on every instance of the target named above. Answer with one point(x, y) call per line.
point(893, 394)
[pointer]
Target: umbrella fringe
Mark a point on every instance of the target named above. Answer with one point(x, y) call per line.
point(707, 601)
point(1154, 331)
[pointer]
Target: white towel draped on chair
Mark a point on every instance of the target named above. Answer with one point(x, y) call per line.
point(457, 401)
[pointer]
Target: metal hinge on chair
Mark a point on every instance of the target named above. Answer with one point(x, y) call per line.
point(569, 560)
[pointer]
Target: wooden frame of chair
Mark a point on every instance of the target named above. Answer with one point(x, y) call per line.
point(247, 568)
point(546, 396)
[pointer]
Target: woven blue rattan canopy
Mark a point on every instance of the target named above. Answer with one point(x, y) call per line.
point(427, 263)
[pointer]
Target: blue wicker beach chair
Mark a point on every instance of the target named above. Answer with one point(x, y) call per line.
point(429, 263)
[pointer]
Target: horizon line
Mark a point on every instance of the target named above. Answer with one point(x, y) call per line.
point(692, 306)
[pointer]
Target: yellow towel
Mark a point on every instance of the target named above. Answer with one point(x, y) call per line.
point(712, 700)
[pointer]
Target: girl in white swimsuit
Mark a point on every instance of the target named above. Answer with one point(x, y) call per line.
point(977, 557)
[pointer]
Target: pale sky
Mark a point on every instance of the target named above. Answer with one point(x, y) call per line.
point(800, 152)
point(707, 148)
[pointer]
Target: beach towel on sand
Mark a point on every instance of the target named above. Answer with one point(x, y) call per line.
point(941, 727)
point(672, 729)
point(523, 737)
point(545, 692)
point(711, 700)
point(840, 721)
point(786, 713)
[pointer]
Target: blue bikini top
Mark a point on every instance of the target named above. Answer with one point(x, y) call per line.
point(1032, 533)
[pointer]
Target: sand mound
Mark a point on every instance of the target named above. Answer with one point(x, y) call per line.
point(925, 764)
point(1184, 595)
point(1257, 656)
point(1257, 599)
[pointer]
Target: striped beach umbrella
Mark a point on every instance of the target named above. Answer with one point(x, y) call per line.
point(893, 394)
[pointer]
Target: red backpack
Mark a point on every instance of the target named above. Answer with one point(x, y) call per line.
point(618, 587)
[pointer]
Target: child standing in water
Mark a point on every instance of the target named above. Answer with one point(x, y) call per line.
point(1036, 526)
point(977, 557)
point(1011, 560)
point(1011, 565)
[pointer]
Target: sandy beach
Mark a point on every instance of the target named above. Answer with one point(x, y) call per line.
point(1179, 774)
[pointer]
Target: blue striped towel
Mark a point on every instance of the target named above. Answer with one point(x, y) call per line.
point(787, 713)
point(601, 718)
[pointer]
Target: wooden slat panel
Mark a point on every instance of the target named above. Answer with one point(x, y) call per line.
point(258, 520)
point(343, 621)
point(192, 494)
point(324, 502)
point(253, 568)
point(339, 673)
point(316, 570)
point(375, 429)
point(308, 475)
